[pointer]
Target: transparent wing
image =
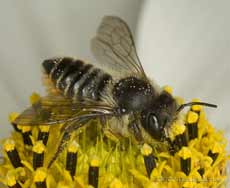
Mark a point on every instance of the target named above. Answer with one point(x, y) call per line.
point(115, 50)
point(54, 109)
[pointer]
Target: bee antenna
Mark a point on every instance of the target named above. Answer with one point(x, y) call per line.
point(182, 106)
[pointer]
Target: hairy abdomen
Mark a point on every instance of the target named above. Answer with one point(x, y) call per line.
point(76, 79)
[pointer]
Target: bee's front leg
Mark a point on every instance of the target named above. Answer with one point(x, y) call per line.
point(112, 129)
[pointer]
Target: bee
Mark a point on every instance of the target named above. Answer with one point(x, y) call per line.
point(116, 89)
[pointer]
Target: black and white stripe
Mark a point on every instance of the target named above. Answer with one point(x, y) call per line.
point(77, 79)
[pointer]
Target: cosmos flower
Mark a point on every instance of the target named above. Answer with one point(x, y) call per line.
point(196, 157)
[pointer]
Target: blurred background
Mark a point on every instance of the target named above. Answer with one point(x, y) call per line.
point(184, 44)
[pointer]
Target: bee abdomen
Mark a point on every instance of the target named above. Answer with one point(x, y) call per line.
point(77, 79)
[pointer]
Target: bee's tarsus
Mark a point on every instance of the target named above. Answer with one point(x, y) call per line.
point(70, 127)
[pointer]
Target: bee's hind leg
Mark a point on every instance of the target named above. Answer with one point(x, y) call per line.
point(67, 131)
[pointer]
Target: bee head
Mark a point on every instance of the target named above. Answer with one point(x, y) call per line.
point(162, 112)
point(159, 115)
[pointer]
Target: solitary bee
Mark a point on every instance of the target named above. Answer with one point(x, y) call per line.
point(118, 90)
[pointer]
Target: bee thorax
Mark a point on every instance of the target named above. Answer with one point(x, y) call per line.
point(133, 94)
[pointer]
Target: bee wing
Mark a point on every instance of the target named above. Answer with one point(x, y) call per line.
point(54, 109)
point(48, 110)
point(115, 50)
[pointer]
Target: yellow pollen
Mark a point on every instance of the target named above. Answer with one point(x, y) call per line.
point(168, 89)
point(34, 98)
point(25, 129)
point(73, 147)
point(11, 180)
point(19, 127)
point(116, 183)
point(192, 117)
point(13, 116)
point(185, 153)
point(196, 108)
point(146, 150)
point(40, 175)
point(95, 162)
point(9, 145)
point(206, 162)
point(178, 129)
point(38, 147)
point(44, 128)
point(216, 148)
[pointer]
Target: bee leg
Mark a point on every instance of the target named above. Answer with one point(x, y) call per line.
point(110, 134)
point(108, 131)
point(114, 129)
point(171, 146)
point(136, 131)
point(68, 129)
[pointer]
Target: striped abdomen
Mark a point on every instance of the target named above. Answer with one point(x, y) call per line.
point(76, 79)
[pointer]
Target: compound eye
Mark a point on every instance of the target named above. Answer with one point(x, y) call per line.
point(154, 127)
point(153, 121)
